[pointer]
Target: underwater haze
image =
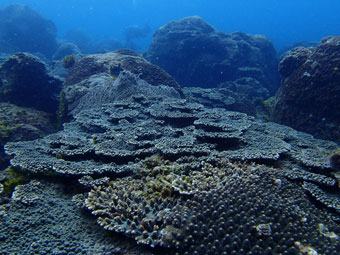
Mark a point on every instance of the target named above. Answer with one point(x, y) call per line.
point(170, 127)
point(283, 21)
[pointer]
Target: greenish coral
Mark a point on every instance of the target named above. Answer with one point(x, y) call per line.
point(5, 129)
point(269, 103)
point(59, 156)
point(14, 177)
point(161, 186)
point(69, 61)
point(152, 162)
point(94, 140)
point(49, 173)
point(12, 183)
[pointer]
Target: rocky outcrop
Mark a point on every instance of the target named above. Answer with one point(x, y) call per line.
point(105, 78)
point(195, 54)
point(310, 90)
point(24, 82)
point(23, 29)
point(21, 124)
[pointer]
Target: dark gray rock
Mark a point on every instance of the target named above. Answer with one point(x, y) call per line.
point(24, 81)
point(23, 29)
point(195, 54)
point(310, 90)
point(21, 124)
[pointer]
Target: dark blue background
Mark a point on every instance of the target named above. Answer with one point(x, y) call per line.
point(283, 21)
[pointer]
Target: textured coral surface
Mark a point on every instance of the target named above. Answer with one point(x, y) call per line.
point(177, 178)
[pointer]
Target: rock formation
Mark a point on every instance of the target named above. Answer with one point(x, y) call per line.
point(195, 54)
point(309, 96)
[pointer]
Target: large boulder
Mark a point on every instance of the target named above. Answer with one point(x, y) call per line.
point(195, 54)
point(24, 81)
point(104, 78)
point(309, 97)
point(23, 29)
point(21, 124)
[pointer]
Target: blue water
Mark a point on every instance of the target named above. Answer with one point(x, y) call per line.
point(283, 21)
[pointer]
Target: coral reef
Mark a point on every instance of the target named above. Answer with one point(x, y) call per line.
point(114, 137)
point(195, 54)
point(68, 61)
point(334, 160)
point(322, 196)
point(154, 170)
point(309, 90)
point(43, 220)
point(27, 194)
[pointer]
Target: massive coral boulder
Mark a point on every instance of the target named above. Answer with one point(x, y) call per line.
point(23, 29)
point(24, 82)
point(309, 97)
point(195, 54)
point(104, 78)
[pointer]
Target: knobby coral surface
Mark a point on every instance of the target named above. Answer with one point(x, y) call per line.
point(164, 172)
point(220, 208)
